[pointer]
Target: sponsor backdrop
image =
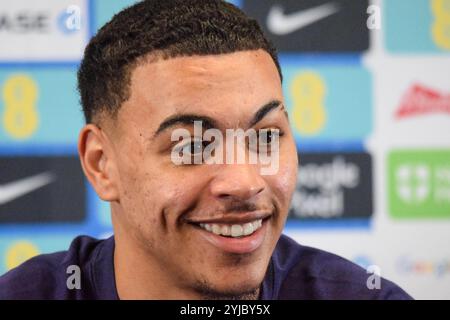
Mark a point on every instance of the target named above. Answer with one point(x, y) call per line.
point(368, 91)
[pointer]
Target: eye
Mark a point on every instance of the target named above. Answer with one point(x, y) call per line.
point(194, 147)
point(268, 136)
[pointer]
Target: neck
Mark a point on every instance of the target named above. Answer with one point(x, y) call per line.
point(139, 277)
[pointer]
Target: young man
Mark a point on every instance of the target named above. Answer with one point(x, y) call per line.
point(187, 231)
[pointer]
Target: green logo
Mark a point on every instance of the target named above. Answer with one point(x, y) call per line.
point(419, 184)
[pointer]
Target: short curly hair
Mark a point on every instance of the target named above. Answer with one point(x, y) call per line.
point(167, 28)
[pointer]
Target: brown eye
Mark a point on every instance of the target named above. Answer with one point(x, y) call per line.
point(193, 149)
point(265, 140)
point(266, 136)
point(196, 147)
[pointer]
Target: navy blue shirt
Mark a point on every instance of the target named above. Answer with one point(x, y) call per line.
point(294, 272)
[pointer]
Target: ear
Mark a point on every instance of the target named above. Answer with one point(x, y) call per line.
point(97, 160)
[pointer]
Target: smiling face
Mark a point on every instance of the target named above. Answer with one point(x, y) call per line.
point(206, 229)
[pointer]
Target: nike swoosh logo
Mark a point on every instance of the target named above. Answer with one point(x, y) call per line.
point(16, 189)
point(280, 24)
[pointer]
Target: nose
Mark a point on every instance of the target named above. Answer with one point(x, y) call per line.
point(237, 182)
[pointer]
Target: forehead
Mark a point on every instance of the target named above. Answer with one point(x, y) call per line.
point(233, 84)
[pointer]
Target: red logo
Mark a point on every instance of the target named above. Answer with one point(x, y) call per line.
point(420, 100)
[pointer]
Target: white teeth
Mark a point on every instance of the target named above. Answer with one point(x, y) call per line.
point(216, 229)
point(226, 230)
point(256, 224)
point(248, 228)
point(235, 230)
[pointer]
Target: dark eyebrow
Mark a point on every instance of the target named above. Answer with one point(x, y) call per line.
point(207, 122)
point(186, 119)
point(264, 110)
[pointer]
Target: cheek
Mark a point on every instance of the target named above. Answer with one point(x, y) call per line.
point(284, 182)
point(138, 188)
point(170, 195)
point(138, 203)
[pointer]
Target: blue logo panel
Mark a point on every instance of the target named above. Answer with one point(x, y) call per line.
point(104, 10)
point(329, 103)
point(39, 106)
point(417, 26)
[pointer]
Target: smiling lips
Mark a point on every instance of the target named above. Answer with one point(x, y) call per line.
point(235, 237)
point(235, 230)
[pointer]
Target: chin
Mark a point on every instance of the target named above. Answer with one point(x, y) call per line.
point(230, 291)
point(239, 285)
